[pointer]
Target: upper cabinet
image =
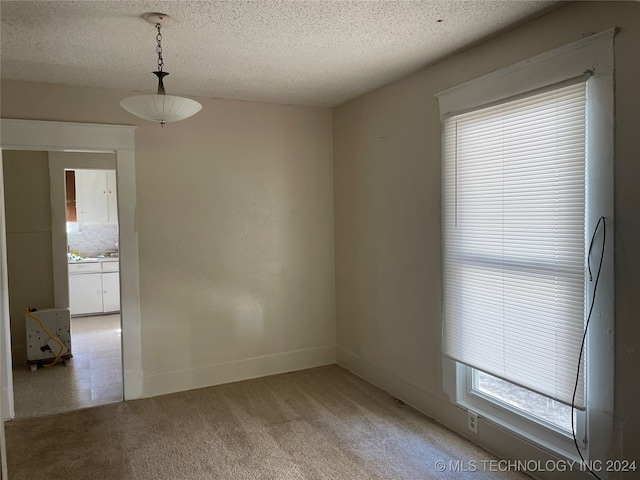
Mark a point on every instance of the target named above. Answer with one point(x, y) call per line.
point(96, 197)
point(112, 197)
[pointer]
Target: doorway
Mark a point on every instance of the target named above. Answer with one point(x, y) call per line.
point(94, 374)
point(74, 137)
point(70, 137)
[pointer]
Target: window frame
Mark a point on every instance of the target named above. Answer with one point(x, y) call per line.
point(593, 55)
point(552, 439)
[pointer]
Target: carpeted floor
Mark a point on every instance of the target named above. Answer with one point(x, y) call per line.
point(322, 423)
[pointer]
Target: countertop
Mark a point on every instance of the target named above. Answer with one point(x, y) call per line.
point(95, 260)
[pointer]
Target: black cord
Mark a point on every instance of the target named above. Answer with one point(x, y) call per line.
point(584, 335)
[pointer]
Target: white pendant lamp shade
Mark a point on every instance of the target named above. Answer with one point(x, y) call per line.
point(161, 108)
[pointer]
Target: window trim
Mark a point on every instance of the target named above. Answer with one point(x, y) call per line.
point(594, 55)
point(507, 417)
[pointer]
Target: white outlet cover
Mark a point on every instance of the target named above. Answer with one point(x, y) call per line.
point(472, 421)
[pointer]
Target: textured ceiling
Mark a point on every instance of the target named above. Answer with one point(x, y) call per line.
point(307, 52)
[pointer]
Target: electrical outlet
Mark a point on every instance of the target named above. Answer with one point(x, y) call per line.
point(472, 421)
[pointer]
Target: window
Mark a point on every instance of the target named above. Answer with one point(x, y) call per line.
point(526, 176)
point(543, 409)
point(514, 250)
point(515, 240)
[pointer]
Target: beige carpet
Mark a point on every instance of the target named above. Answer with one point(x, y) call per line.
point(322, 423)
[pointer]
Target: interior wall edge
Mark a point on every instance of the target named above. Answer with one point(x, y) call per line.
point(235, 371)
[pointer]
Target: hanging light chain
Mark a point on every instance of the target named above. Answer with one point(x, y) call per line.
point(159, 48)
point(160, 74)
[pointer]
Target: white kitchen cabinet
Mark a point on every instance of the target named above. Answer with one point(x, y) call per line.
point(112, 198)
point(96, 197)
point(94, 288)
point(85, 293)
point(110, 292)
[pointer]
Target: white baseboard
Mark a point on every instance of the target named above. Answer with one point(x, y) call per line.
point(421, 400)
point(133, 381)
point(235, 371)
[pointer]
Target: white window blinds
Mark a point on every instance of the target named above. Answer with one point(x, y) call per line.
point(514, 240)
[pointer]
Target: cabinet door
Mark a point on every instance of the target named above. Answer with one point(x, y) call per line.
point(85, 293)
point(91, 197)
point(111, 291)
point(112, 197)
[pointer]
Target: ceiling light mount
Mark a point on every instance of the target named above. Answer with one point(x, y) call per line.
point(161, 107)
point(157, 18)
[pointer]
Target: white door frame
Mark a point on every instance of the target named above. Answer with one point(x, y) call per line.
point(6, 395)
point(89, 138)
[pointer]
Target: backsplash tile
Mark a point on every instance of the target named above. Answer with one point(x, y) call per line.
point(93, 240)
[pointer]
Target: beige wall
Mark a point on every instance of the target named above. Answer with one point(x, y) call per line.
point(28, 216)
point(388, 216)
point(235, 223)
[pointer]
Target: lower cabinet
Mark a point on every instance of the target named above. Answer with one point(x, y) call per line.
point(93, 292)
point(85, 293)
point(110, 292)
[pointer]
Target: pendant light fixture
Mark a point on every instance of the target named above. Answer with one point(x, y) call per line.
point(160, 108)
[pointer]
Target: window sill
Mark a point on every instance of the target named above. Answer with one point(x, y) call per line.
point(554, 441)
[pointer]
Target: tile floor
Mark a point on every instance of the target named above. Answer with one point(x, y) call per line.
point(93, 377)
